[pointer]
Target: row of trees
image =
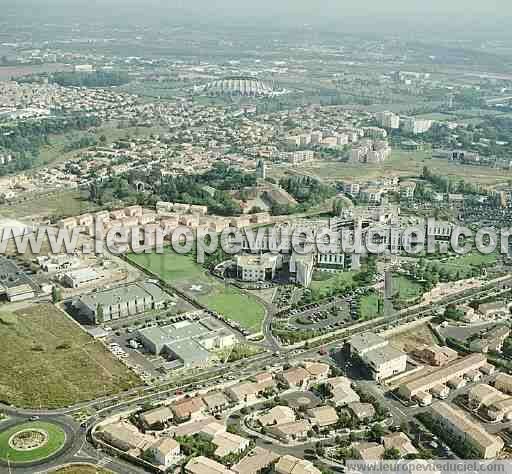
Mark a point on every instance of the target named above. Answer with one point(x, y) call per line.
point(446, 184)
point(80, 79)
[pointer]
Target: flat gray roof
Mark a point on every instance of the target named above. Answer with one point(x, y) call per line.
point(365, 341)
point(383, 354)
point(179, 331)
point(12, 276)
point(123, 294)
point(189, 351)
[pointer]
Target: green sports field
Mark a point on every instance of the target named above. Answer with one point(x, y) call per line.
point(188, 276)
point(54, 442)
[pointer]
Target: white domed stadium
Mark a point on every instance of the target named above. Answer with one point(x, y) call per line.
point(244, 86)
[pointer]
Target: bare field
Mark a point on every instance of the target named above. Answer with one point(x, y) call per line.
point(410, 340)
point(49, 362)
point(401, 164)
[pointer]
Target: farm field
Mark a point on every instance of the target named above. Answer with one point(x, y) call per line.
point(188, 276)
point(41, 343)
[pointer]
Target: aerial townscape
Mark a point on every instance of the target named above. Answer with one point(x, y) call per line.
point(171, 128)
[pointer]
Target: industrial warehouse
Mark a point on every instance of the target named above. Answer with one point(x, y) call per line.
point(121, 302)
point(187, 343)
point(15, 284)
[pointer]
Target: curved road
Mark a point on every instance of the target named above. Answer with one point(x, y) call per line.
point(78, 448)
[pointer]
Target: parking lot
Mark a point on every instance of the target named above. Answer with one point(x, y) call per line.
point(328, 315)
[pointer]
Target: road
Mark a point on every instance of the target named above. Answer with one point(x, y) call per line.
point(79, 449)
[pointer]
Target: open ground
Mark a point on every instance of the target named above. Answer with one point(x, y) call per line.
point(401, 164)
point(49, 362)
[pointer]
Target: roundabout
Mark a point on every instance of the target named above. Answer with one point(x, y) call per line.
point(31, 442)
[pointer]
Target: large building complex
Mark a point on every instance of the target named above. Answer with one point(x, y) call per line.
point(388, 120)
point(188, 343)
point(426, 379)
point(258, 267)
point(416, 126)
point(245, 86)
point(457, 425)
point(15, 284)
point(382, 360)
point(121, 302)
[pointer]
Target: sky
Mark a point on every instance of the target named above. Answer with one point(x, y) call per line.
point(372, 13)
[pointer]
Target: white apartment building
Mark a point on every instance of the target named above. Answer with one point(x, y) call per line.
point(253, 268)
point(416, 126)
point(382, 360)
point(388, 120)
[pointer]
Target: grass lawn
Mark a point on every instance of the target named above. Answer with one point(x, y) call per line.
point(55, 441)
point(369, 307)
point(183, 272)
point(407, 289)
point(325, 281)
point(235, 305)
point(170, 266)
point(48, 361)
point(473, 259)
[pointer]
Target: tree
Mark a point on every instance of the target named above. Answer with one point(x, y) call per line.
point(100, 314)
point(56, 295)
point(376, 432)
point(391, 453)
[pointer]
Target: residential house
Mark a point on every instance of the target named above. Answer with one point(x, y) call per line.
point(256, 461)
point(296, 377)
point(294, 431)
point(368, 451)
point(165, 452)
point(187, 409)
point(215, 402)
point(362, 411)
point(277, 416)
point(318, 372)
point(341, 391)
point(244, 392)
point(291, 465)
point(229, 443)
point(125, 436)
point(157, 418)
point(203, 465)
point(323, 417)
point(399, 441)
